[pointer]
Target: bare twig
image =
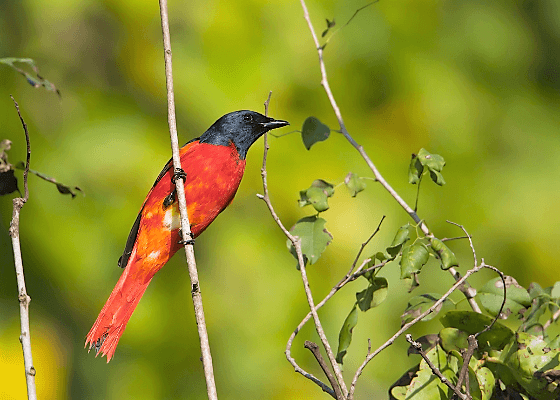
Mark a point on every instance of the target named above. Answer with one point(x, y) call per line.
point(349, 277)
point(406, 326)
point(435, 369)
point(296, 242)
point(24, 299)
point(483, 264)
point(185, 225)
point(467, 290)
point(454, 238)
point(315, 350)
point(464, 373)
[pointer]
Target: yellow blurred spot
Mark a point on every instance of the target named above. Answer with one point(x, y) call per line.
point(49, 360)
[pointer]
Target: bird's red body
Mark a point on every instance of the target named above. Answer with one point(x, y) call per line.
point(213, 176)
point(214, 165)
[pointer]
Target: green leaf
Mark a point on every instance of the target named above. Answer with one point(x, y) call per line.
point(38, 81)
point(554, 343)
point(316, 195)
point(491, 296)
point(418, 304)
point(345, 336)
point(314, 131)
point(374, 295)
point(483, 384)
point(555, 293)
point(531, 361)
point(426, 385)
point(446, 256)
point(472, 323)
point(437, 177)
point(354, 183)
point(415, 170)
point(453, 339)
point(413, 258)
point(314, 237)
point(397, 391)
point(434, 163)
point(401, 237)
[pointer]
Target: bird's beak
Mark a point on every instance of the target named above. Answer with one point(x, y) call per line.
point(273, 124)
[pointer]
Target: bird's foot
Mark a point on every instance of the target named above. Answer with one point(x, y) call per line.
point(188, 241)
point(179, 173)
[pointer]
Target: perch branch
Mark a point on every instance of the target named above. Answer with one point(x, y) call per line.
point(185, 225)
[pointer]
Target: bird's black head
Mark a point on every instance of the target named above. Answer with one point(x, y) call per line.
point(242, 128)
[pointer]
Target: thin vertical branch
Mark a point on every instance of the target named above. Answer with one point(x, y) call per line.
point(185, 225)
point(24, 299)
point(468, 291)
point(296, 242)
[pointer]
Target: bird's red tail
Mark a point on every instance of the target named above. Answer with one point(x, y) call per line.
point(109, 326)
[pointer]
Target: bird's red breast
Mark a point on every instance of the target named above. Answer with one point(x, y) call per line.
point(213, 176)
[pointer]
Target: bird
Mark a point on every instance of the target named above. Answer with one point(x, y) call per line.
point(214, 164)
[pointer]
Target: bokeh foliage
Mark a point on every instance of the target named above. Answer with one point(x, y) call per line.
point(476, 82)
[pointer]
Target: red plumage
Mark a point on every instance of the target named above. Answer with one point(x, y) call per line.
point(214, 165)
point(158, 234)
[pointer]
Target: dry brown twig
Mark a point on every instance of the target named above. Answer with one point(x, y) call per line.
point(24, 299)
point(418, 347)
point(185, 225)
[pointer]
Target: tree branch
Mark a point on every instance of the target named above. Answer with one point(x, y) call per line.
point(296, 242)
point(185, 225)
point(314, 349)
point(24, 299)
point(468, 291)
point(405, 327)
point(435, 369)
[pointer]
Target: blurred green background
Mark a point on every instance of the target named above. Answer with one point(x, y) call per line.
point(475, 82)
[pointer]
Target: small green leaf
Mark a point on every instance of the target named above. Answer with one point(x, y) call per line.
point(491, 296)
point(453, 339)
point(374, 295)
point(415, 170)
point(437, 177)
point(413, 258)
point(354, 183)
point(401, 237)
point(446, 256)
point(345, 336)
point(426, 385)
point(314, 131)
point(472, 323)
point(314, 237)
point(418, 304)
point(555, 293)
point(554, 343)
point(316, 195)
point(434, 163)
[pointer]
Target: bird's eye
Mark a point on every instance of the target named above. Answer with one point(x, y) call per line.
point(248, 118)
